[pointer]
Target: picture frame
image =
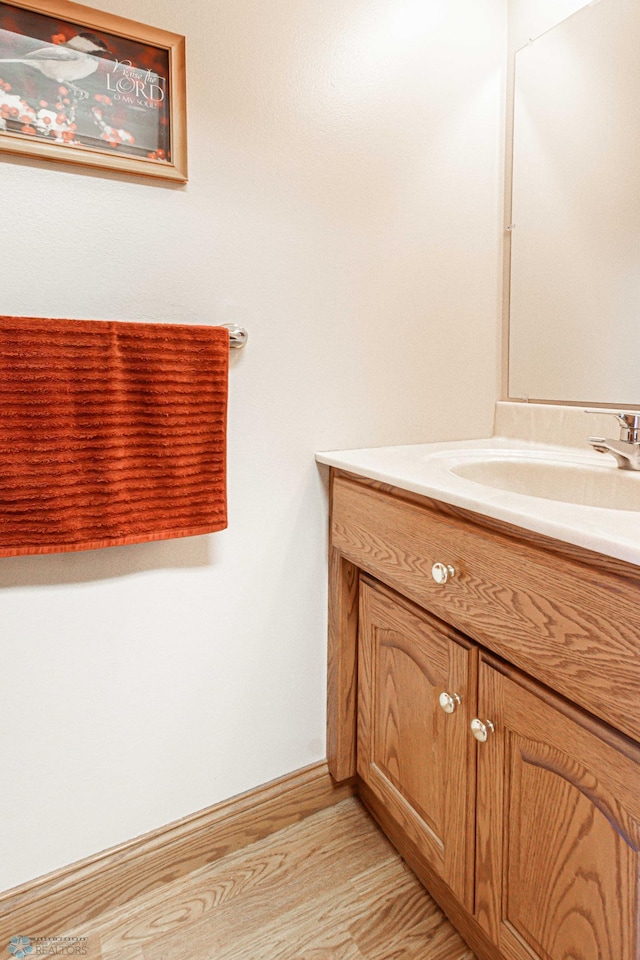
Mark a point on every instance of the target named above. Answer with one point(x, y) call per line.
point(82, 86)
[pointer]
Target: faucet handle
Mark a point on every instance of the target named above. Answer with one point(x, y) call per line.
point(629, 423)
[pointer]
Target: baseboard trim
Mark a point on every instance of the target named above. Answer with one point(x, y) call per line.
point(77, 894)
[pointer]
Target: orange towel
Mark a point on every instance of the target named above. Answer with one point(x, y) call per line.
point(110, 433)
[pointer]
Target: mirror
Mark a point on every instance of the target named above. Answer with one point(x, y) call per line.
point(574, 332)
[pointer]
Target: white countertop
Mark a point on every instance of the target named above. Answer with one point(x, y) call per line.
point(426, 469)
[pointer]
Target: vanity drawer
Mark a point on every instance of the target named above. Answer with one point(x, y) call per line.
point(575, 628)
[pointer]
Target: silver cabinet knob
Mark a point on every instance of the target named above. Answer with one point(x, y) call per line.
point(449, 701)
point(442, 573)
point(481, 729)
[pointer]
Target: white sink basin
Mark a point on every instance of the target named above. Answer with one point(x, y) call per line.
point(565, 493)
point(589, 485)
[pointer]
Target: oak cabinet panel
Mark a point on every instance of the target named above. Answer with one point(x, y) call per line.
point(416, 758)
point(558, 829)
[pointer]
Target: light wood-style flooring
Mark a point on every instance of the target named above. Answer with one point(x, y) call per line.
point(329, 888)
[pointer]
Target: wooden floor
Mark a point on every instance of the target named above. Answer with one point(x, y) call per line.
point(329, 888)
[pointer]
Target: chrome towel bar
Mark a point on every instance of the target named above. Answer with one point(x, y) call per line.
point(238, 336)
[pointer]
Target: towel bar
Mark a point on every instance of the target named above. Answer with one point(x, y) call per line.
point(238, 336)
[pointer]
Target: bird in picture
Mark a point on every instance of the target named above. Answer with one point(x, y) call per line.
point(66, 62)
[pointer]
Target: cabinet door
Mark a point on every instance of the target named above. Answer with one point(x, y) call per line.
point(558, 808)
point(417, 758)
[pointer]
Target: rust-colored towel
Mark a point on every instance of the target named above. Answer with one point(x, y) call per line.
point(110, 433)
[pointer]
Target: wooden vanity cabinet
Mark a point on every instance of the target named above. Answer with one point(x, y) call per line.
point(529, 840)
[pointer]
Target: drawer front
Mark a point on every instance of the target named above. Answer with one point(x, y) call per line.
point(567, 624)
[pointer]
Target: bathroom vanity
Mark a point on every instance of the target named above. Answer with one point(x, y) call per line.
point(484, 687)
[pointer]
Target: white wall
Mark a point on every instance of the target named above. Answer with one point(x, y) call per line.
point(343, 205)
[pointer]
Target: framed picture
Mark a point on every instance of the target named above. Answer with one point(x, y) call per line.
point(81, 86)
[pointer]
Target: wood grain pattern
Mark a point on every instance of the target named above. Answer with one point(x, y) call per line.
point(553, 617)
point(559, 548)
point(417, 759)
point(83, 891)
point(342, 667)
point(558, 871)
point(329, 888)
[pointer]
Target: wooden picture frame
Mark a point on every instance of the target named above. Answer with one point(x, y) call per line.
point(78, 85)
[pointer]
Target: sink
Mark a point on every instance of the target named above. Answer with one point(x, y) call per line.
point(566, 493)
point(589, 484)
point(572, 494)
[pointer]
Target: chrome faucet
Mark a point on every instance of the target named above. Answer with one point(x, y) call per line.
point(626, 450)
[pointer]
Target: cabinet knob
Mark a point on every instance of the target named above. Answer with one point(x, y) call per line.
point(442, 573)
point(449, 701)
point(481, 729)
